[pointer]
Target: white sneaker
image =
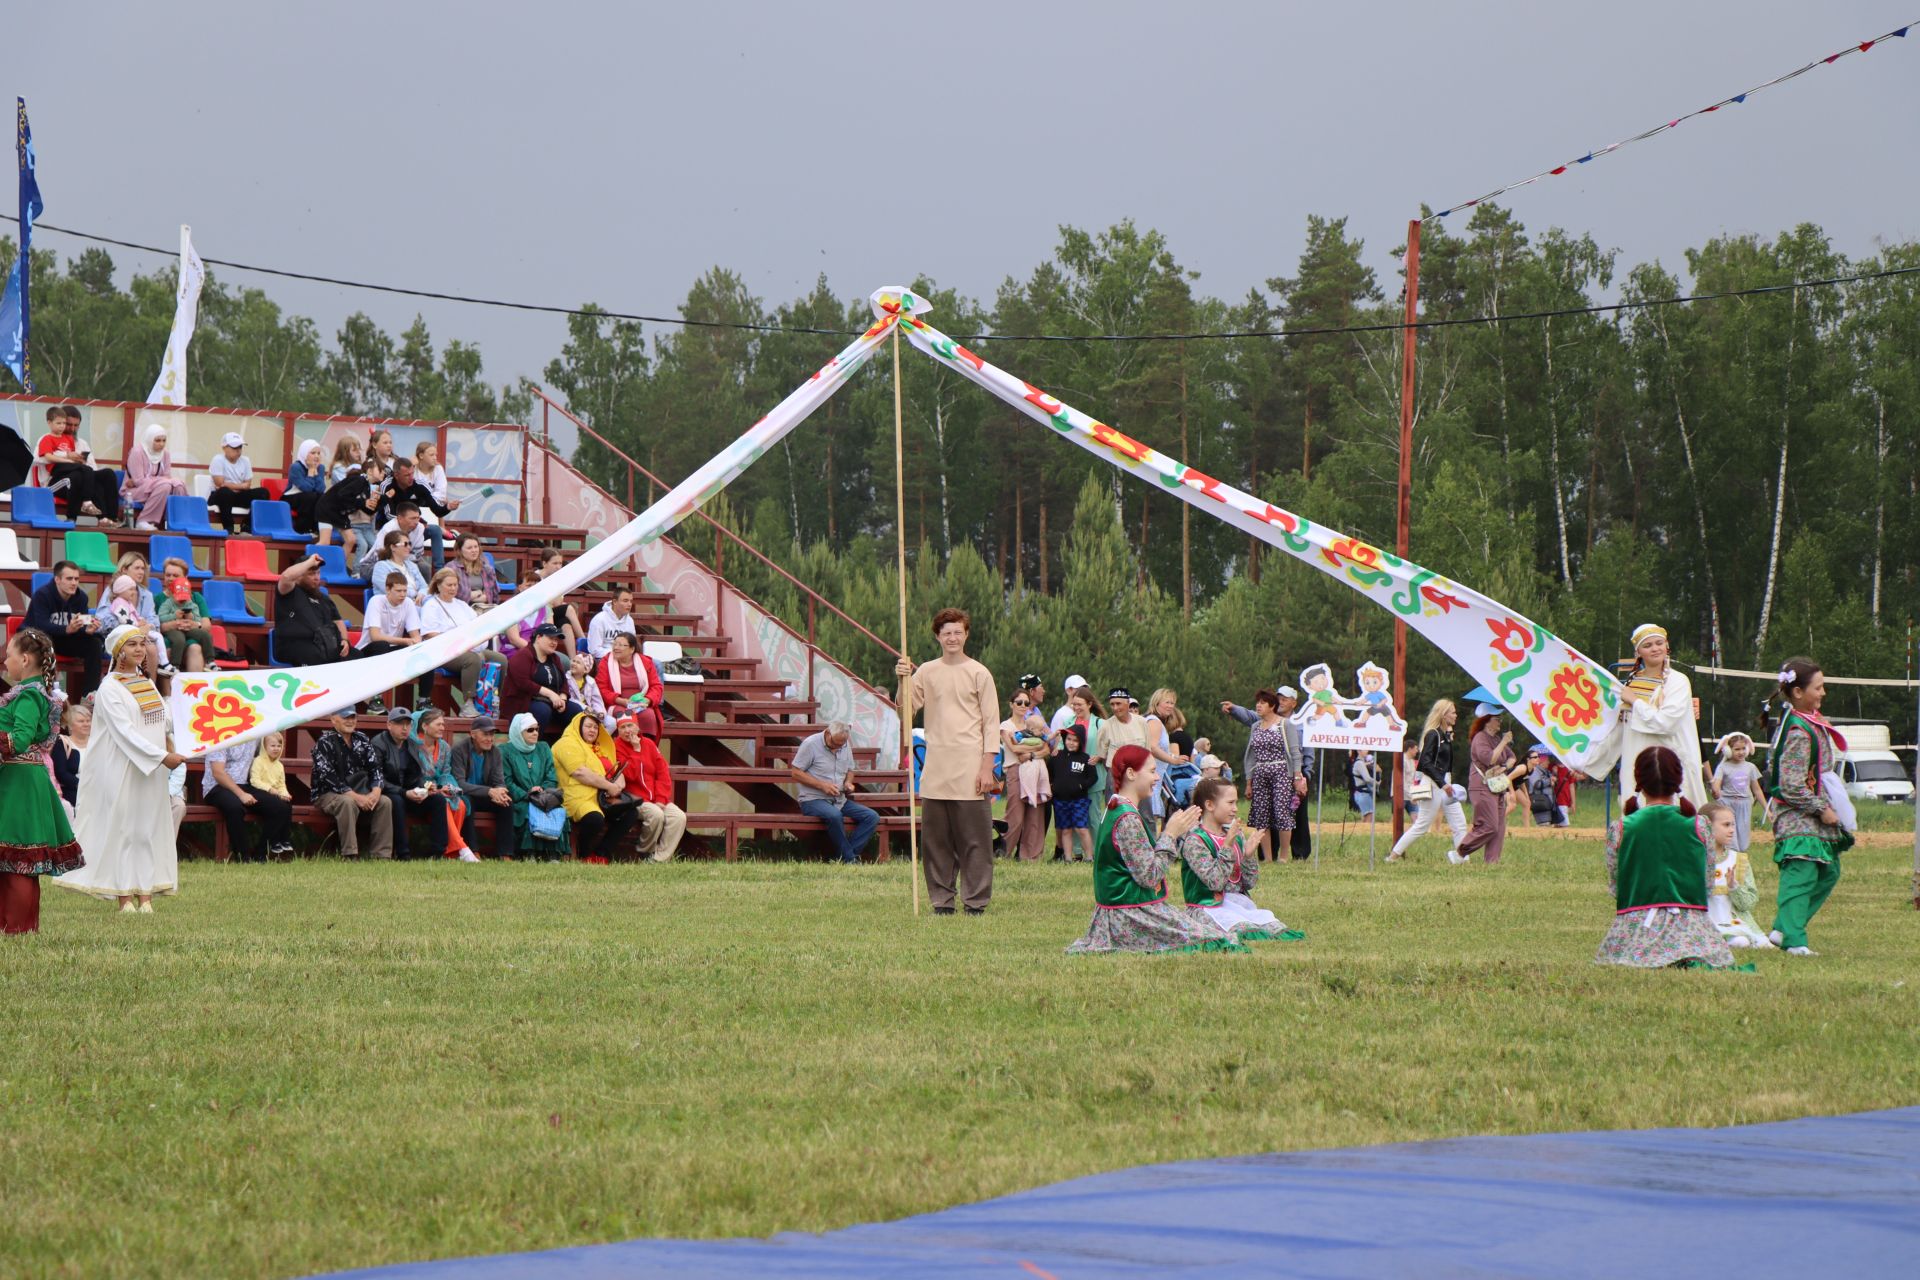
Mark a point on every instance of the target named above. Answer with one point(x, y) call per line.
point(1395, 857)
point(1802, 951)
point(1456, 857)
point(1776, 939)
point(468, 855)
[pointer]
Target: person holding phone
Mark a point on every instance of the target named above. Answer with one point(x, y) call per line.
point(1490, 782)
point(183, 618)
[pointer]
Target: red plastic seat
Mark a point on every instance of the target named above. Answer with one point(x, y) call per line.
point(220, 641)
point(274, 487)
point(247, 561)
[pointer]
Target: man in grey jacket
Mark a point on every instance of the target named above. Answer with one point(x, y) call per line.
point(1302, 846)
point(477, 766)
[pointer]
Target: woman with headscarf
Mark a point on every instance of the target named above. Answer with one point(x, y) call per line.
point(306, 482)
point(1656, 710)
point(428, 742)
point(150, 480)
point(591, 780)
point(1490, 779)
point(532, 782)
point(122, 817)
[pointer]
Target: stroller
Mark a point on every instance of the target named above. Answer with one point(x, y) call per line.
point(1176, 786)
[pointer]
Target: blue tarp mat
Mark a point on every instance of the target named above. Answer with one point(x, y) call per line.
point(1836, 1196)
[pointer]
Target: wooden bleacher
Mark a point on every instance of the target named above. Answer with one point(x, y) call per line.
point(732, 730)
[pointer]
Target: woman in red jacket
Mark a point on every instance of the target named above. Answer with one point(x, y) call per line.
point(662, 822)
point(630, 683)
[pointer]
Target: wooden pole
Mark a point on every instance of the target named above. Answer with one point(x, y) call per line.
point(1403, 515)
point(906, 682)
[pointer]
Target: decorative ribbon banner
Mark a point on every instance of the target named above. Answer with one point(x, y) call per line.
point(1566, 698)
point(216, 709)
point(1895, 34)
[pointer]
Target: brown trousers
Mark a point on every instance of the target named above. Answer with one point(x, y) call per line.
point(956, 836)
point(346, 817)
point(1026, 824)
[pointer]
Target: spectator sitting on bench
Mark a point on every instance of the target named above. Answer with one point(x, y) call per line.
point(150, 480)
point(348, 507)
point(70, 470)
point(405, 490)
point(307, 630)
point(479, 770)
point(535, 682)
point(59, 608)
point(233, 488)
point(183, 618)
point(404, 783)
point(406, 520)
point(346, 786)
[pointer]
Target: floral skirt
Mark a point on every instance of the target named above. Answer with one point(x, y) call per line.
point(1152, 926)
point(1661, 937)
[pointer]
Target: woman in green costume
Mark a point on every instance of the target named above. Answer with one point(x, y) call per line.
point(1812, 821)
point(1660, 872)
point(530, 780)
point(1131, 911)
point(35, 838)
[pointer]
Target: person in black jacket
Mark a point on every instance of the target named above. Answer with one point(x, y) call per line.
point(482, 774)
point(403, 782)
point(348, 505)
point(1436, 765)
point(60, 609)
point(1072, 776)
point(307, 630)
point(405, 487)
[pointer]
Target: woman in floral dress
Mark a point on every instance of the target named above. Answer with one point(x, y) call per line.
point(1660, 871)
point(1131, 911)
point(1269, 776)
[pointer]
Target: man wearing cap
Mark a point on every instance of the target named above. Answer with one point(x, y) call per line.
point(961, 713)
point(481, 773)
point(1125, 728)
point(404, 783)
point(346, 786)
point(233, 486)
point(1065, 716)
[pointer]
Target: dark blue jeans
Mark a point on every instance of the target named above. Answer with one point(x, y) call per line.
point(864, 820)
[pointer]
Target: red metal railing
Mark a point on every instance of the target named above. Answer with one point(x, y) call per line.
point(721, 533)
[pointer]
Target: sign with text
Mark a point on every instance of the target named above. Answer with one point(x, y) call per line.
point(1366, 721)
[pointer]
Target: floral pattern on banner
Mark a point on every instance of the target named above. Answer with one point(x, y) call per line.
point(1550, 686)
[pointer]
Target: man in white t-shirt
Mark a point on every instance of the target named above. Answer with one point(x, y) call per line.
point(615, 618)
point(392, 621)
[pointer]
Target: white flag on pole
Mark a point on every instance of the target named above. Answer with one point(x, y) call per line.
point(171, 386)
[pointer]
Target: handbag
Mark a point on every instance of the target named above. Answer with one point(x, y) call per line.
point(1497, 783)
point(546, 824)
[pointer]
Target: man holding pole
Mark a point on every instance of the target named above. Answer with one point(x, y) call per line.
point(961, 715)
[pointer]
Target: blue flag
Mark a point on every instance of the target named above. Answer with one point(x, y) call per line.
point(14, 311)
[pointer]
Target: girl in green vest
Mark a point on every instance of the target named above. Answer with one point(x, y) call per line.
point(1660, 872)
point(1216, 876)
point(1809, 833)
point(1131, 911)
point(35, 838)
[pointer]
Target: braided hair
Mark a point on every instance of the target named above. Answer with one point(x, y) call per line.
point(38, 646)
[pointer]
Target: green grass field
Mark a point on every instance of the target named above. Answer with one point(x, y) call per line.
point(298, 1068)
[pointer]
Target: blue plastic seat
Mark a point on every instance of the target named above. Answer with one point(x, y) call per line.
point(34, 508)
point(274, 520)
point(40, 580)
point(164, 546)
point(227, 602)
point(506, 588)
point(189, 515)
point(333, 565)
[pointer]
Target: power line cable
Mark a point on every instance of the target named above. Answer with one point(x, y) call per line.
point(1443, 322)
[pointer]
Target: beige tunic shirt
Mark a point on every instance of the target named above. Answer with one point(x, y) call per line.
point(960, 712)
point(1114, 735)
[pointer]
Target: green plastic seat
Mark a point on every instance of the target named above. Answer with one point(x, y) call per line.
point(88, 548)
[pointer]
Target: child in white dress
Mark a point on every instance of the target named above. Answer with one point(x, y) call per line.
point(1731, 894)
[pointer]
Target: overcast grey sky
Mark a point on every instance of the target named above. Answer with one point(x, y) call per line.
point(608, 151)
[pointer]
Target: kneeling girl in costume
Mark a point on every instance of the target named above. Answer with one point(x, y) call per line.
point(1216, 874)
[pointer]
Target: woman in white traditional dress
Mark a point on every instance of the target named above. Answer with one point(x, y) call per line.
point(1656, 710)
point(121, 816)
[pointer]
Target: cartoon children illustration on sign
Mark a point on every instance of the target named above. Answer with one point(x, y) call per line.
point(1320, 702)
point(1376, 703)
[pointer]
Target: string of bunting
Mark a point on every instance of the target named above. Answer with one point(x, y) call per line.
point(1897, 33)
